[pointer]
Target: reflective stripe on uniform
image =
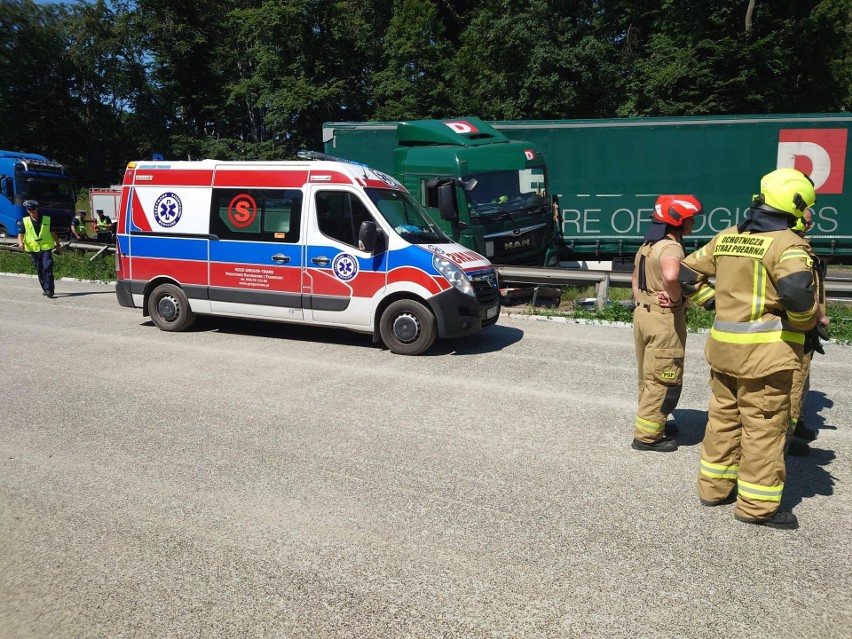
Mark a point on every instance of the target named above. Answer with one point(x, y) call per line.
point(748, 327)
point(754, 332)
point(762, 493)
point(719, 471)
point(793, 253)
point(759, 291)
point(649, 427)
point(703, 295)
point(801, 317)
point(757, 338)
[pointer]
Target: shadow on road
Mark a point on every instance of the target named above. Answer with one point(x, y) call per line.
point(490, 340)
point(808, 476)
point(816, 401)
point(690, 424)
point(83, 294)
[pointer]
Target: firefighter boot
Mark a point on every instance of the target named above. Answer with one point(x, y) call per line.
point(803, 432)
point(662, 446)
point(782, 520)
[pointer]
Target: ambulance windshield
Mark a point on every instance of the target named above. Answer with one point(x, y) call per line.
point(407, 217)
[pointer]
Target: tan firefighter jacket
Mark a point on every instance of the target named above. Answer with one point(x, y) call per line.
point(765, 297)
point(649, 273)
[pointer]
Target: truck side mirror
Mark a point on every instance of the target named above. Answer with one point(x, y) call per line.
point(447, 202)
point(469, 185)
point(6, 187)
point(367, 236)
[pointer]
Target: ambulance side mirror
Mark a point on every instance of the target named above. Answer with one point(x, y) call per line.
point(368, 236)
point(447, 204)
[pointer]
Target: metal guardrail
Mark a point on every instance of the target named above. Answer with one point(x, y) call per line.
point(11, 243)
point(835, 288)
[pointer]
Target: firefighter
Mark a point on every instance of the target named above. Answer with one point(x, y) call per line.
point(659, 320)
point(798, 429)
point(765, 300)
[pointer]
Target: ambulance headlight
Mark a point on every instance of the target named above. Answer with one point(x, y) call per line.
point(454, 274)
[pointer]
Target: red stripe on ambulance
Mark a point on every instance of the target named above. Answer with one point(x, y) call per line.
point(244, 179)
point(284, 279)
point(184, 271)
point(410, 274)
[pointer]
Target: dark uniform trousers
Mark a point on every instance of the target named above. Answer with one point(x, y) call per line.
point(43, 263)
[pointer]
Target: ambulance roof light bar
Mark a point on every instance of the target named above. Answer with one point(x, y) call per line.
point(317, 155)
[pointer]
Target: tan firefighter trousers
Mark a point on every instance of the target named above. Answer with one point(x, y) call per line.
point(800, 388)
point(660, 338)
point(744, 442)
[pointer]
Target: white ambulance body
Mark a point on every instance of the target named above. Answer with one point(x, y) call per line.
point(319, 242)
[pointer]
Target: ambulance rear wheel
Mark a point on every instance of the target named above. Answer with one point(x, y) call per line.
point(408, 327)
point(169, 308)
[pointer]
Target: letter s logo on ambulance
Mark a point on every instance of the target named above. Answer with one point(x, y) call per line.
point(819, 153)
point(530, 154)
point(242, 211)
point(460, 126)
point(167, 210)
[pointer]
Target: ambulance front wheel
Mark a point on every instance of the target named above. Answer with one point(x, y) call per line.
point(169, 308)
point(408, 327)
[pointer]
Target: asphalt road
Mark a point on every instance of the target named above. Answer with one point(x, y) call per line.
point(248, 479)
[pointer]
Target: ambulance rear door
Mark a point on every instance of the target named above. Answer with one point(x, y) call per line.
point(341, 281)
point(256, 252)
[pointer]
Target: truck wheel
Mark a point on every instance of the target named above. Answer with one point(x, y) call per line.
point(169, 308)
point(407, 327)
point(3, 232)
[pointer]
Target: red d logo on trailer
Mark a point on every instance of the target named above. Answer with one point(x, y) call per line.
point(460, 126)
point(530, 154)
point(819, 153)
point(242, 211)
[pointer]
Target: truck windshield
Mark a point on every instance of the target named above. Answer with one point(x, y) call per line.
point(499, 193)
point(407, 217)
point(50, 192)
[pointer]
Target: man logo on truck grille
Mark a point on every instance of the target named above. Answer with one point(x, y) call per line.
point(167, 210)
point(345, 266)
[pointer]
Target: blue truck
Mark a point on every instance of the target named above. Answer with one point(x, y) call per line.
point(27, 176)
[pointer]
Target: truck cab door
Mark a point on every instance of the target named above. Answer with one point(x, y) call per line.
point(256, 253)
point(341, 280)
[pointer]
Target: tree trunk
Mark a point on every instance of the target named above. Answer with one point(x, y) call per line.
point(749, 13)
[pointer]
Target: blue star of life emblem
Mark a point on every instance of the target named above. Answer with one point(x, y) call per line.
point(345, 266)
point(167, 210)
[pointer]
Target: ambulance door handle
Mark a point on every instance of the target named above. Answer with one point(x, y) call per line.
point(322, 260)
point(280, 258)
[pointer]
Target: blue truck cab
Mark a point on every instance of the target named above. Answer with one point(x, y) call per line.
point(27, 176)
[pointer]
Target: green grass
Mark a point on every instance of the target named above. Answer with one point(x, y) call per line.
point(840, 315)
point(69, 263)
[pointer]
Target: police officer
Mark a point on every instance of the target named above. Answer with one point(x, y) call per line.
point(37, 238)
point(659, 319)
point(104, 227)
point(765, 300)
point(78, 227)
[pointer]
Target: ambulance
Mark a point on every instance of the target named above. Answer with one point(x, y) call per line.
point(318, 242)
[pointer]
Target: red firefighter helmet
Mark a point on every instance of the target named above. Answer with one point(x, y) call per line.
point(674, 209)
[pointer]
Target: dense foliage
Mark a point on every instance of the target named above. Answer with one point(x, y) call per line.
point(96, 84)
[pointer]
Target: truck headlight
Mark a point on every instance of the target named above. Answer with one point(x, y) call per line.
point(455, 276)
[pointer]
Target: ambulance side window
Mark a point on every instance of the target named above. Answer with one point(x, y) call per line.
point(260, 215)
point(339, 215)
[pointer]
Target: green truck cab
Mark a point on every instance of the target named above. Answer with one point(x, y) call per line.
point(488, 193)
